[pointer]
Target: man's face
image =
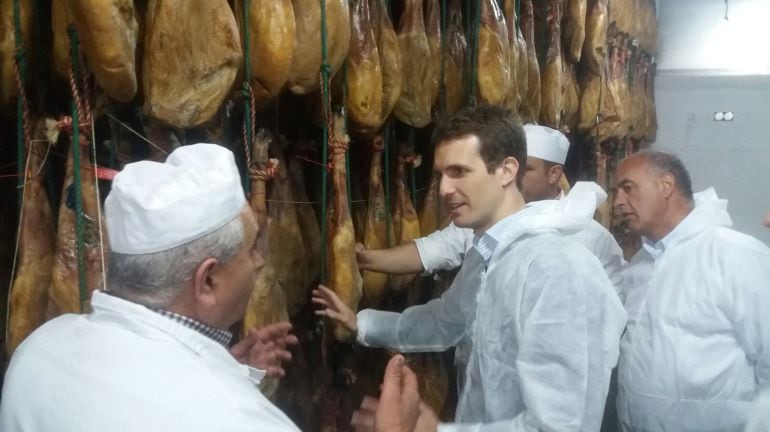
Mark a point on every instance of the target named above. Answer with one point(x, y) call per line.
point(239, 274)
point(471, 193)
point(639, 197)
point(540, 180)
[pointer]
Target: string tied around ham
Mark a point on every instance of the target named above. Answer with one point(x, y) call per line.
point(269, 172)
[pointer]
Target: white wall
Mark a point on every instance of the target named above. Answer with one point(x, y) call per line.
point(733, 157)
point(694, 35)
point(707, 64)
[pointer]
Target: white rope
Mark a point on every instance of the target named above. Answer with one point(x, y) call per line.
point(98, 207)
point(137, 134)
point(15, 254)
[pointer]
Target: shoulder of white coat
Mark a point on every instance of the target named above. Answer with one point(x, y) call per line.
point(554, 251)
point(738, 240)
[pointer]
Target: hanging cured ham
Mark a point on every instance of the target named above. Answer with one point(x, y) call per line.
point(267, 303)
point(287, 248)
point(64, 294)
point(192, 53)
point(375, 226)
point(530, 109)
point(272, 41)
point(406, 224)
point(512, 99)
point(364, 72)
point(8, 86)
point(552, 84)
point(29, 293)
point(594, 47)
point(433, 33)
point(344, 277)
point(430, 213)
point(493, 65)
point(108, 32)
point(304, 76)
point(454, 60)
point(575, 28)
point(308, 223)
point(61, 17)
point(391, 61)
point(414, 105)
point(571, 97)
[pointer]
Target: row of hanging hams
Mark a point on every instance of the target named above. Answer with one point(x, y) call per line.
point(181, 64)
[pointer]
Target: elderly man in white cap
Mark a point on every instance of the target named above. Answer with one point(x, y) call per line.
point(153, 353)
point(443, 250)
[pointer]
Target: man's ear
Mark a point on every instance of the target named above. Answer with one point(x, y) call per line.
point(509, 169)
point(667, 184)
point(205, 282)
point(554, 174)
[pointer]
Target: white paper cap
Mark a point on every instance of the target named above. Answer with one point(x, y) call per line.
point(546, 143)
point(156, 206)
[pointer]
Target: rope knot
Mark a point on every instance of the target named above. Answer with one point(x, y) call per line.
point(378, 145)
point(268, 173)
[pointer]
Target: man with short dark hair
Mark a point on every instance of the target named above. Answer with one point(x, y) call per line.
point(697, 347)
point(537, 312)
point(153, 354)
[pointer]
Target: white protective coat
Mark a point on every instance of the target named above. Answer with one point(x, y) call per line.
point(126, 368)
point(697, 348)
point(542, 323)
point(445, 248)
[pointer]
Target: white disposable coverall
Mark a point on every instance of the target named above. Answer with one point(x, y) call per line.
point(542, 322)
point(126, 368)
point(697, 347)
point(445, 248)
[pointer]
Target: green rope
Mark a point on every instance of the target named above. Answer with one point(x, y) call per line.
point(442, 83)
point(325, 72)
point(21, 60)
point(518, 18)
point(79, 235)
point(474, 52)
point(247, 93)
point(387, 132)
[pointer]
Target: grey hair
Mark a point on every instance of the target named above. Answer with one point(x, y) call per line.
point(155, 279)
point(664, 162)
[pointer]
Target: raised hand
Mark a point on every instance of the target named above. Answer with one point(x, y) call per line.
point(266, 348)
point(334, 308)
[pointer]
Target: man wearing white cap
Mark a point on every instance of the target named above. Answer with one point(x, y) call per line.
point(152, 355)
point(444, 249)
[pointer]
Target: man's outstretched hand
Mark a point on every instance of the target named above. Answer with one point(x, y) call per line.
point(266, 348)
point(399, 408)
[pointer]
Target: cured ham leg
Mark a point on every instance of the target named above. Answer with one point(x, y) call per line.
point(29, 293)
point(344, 277)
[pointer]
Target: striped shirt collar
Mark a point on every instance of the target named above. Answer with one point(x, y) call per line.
point(486, 243)
point(222, 337)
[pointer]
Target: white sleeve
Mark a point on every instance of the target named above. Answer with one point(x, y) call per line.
point(748, 279)
point(434, 326)
point(444, 249)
